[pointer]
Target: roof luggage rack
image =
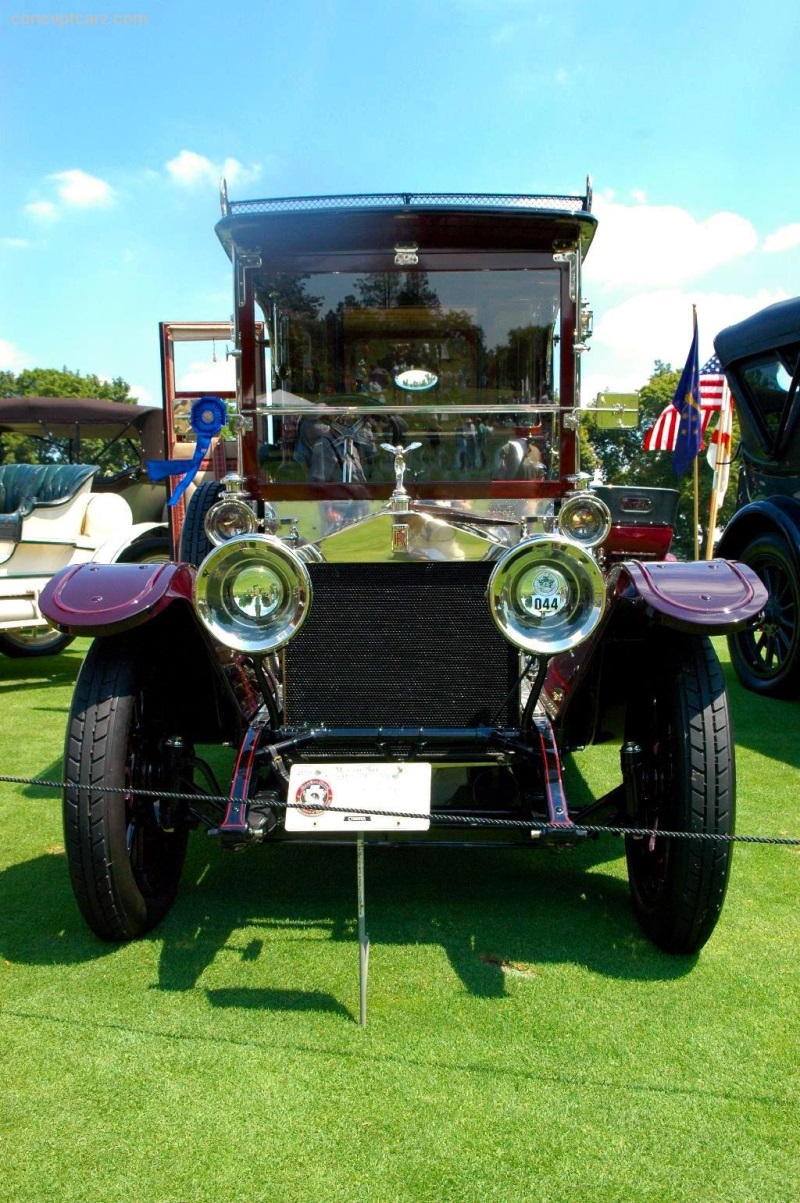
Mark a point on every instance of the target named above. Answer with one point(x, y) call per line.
point(412, 200)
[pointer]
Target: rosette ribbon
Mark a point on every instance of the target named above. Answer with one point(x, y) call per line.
point(207, 417)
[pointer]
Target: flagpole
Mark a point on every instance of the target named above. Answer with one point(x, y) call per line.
point(721, 452)
point(712, 518)
point(712, 513)
point(696, 474)
point(696, 511)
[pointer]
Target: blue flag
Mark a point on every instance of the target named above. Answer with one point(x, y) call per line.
point(687, 402)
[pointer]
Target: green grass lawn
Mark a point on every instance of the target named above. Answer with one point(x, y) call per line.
point(524, 1042)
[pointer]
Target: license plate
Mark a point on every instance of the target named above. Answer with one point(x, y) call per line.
point(396, 790)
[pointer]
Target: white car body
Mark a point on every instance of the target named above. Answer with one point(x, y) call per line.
point(65, 524)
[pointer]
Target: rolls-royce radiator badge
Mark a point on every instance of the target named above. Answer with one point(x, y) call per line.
point(399, 502)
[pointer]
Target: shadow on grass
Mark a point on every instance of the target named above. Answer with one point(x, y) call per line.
point(31, 671)
point(277, 1000)
point(493, 912)
point(39, 921)
point(490, 911)
point(52, 772)
point(769, 726)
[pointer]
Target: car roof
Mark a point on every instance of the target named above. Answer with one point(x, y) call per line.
point(288, 227)
point(772, 327)
point(57, 417)
point(27, 415)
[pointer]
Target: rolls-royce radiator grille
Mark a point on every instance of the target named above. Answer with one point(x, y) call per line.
point(401, 644)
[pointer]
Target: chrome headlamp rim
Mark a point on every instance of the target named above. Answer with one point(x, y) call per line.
point(570, 587)
point(253, 593)
point(224, 510)
point(599, 510)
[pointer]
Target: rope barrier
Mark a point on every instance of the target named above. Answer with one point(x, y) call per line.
point(441, 817)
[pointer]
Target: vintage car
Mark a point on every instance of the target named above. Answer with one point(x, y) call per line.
point(60, 510)
point(761, 359)
point(404, 607)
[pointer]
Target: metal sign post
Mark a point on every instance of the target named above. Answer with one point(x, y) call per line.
point(363, 938)
point(383, 797)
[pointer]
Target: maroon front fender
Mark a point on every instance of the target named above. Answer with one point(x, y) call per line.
point(105, 599)
point(709, 597)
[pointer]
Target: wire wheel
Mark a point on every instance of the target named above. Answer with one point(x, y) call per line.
point(767, 658)
point(33, 641)
point(152, 549)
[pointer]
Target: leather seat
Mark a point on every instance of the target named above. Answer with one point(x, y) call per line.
point(24, 486)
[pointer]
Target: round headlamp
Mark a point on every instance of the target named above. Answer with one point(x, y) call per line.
point(585, 518)
point(546, 595)
point(252, 593)
point(229, 518)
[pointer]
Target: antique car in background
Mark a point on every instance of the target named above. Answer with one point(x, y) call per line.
point(58, 510)
point(761, 358)
point(403, 600)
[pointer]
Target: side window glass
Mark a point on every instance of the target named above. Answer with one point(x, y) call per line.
point(768, 383)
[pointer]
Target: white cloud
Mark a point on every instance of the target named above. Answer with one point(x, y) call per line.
point(661, 246)
point(12, 359)
point(42, 211)
point(190, 170)
point(236, 173)
point(80, 190)
point(15, 244)
point(658, 325)
point(202, 376)
point(143, 395)
point(783, 239)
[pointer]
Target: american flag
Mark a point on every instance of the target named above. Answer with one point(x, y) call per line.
point(662, 436)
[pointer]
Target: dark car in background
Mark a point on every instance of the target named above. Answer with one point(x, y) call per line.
point(761, 358)
point(398, 604)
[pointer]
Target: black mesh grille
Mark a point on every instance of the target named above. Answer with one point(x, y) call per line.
point(400, 645)
point(294, 204)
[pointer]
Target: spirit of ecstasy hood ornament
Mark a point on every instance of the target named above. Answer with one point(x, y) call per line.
point(399, 499)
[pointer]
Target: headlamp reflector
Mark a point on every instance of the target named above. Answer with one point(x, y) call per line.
point(229, 518)
point(252, 593)
point(585, 518)
point(546, 595)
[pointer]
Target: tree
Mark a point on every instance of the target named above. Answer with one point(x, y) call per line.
point(50, 382)
point(623, 461)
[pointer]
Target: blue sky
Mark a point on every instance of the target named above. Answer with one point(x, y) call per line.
point(115, 131)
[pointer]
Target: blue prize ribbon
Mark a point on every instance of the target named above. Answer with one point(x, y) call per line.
point(207, 417)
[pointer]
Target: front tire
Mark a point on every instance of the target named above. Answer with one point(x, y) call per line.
point(685, 781)
point(33, 641)
point(767, 658)
point(125, 852)
point(195, 543)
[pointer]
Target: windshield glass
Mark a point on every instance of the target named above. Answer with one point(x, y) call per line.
point(466, 363)
point(769, 381)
